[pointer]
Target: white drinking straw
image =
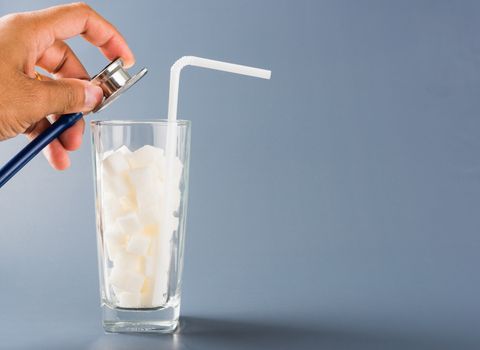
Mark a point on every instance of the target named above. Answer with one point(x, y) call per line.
point(171, 143)
point(205, 63)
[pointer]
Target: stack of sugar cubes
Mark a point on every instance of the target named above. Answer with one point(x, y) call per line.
point(134, 193)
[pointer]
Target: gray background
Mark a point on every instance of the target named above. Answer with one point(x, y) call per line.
point(333, 207)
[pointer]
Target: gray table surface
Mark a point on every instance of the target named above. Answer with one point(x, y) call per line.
point(333, 207)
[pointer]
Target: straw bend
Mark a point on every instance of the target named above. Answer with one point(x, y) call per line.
point(210, 64)
point(219, 65)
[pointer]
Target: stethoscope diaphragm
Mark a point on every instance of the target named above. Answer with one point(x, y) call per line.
point(114, 80)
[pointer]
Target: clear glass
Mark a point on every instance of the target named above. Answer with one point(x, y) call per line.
point(141, 208)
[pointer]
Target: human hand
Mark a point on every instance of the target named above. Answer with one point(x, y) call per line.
point(36, 38)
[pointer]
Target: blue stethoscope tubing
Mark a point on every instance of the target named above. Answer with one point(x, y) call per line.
point(14, 165)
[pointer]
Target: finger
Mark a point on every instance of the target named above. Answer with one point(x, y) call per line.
point(71, 139)
point(55, 153)
point(41, 98)
point(66, 21)
point(60, 60)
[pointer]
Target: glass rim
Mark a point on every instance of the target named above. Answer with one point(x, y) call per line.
point(178, 122)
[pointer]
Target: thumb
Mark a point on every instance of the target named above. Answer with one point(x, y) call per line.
point(67, 96)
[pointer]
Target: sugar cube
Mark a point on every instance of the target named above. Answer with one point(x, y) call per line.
point(146, 293)
point(111, 209)
point(114, 233)
point(129, 223)
point(115, 185)
point(150, 196)
point(114, 241)
point(145, 156)
point(112, 249)
point(115, 163)
point(128, 203)
point(123, 150)
point(143, 178)
point(106, 154)
point(148, 266)
point(125, 261)
point(129, 300)
point(126, 280)
point(138, 244)
point(151, 215)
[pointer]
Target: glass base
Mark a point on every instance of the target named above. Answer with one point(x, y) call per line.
point(159, 320)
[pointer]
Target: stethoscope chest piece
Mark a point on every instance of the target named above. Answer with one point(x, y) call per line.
point(114, 80)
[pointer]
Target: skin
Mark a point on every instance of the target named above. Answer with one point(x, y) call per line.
point(36, 39)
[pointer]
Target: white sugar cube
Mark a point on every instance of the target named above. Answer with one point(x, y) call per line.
point(113, 249)
point(115, 239)
point(115, 207)
point(146, 300)
point(150, 197)
point(115, 163)
point(129, 223)
point(111, 209)
point(143, 178)
point(145, 156)
point(123, 150)
point(115, 185)
point(151, 215)
point(126, 280)
point(114, 232)
point(149, 267)
point(146, 293)
point(129, 300)
point(108, 219)
point(128, 203)
point(151, 230)
point(110, 199)
point(106, 154)
point(160, 255)
point(138, 244)
point(147, 286)
point(125, 261)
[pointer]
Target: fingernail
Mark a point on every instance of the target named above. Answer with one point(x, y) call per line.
point(93, 96)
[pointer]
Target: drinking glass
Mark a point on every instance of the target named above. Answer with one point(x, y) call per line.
point(141, 209)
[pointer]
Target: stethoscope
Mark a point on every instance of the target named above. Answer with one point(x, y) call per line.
point(114, 81)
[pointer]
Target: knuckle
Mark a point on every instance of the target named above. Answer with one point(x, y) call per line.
point(81, 5)
point(22, 25)
point(14, 19)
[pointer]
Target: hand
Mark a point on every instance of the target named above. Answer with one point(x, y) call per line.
point(37, 39)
